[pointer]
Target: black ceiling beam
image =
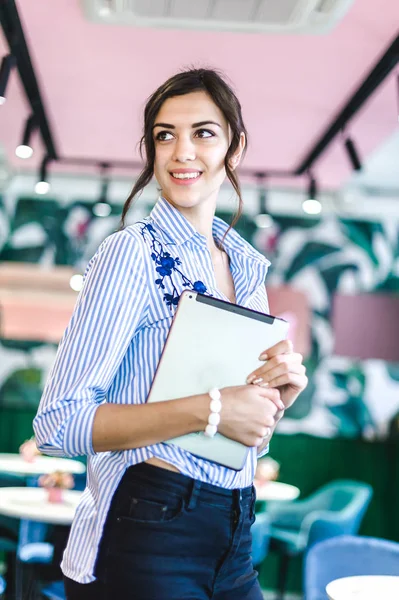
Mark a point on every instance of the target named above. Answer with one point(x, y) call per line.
point(97, 162)
point(382, 69)
point(264, 173)
point(12, 27)
point(13, 32)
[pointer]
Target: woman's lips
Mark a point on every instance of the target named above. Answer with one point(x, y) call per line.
point(187, 180)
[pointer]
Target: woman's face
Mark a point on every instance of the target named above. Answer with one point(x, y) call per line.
point(191, 137)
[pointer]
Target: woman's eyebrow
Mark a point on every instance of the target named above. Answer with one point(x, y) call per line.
point(194, 125)
point(202, 123)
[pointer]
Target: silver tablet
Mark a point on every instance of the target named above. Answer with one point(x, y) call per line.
point(212, 343)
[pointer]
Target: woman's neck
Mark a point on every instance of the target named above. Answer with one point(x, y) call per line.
point(201, 218)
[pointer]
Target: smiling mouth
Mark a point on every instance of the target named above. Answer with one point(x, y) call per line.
point(193, 175)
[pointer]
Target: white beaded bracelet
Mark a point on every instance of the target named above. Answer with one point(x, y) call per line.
point(214, 415)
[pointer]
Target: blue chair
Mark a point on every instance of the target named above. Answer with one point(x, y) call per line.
point(79, 482)
point(36, 553)
point(337, 508)
point(37, 561)
point(9, 531)
point(54, 591)
point(33, 551)
point(260, 538)
point(346, 556)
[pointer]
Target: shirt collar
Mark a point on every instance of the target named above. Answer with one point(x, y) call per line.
point(234, 242)
point(172, 222)
point(179, 230)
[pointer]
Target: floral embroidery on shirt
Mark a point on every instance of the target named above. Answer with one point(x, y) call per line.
point(166, 267)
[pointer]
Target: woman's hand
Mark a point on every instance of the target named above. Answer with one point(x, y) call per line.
point(249, 413)
point(283, 370)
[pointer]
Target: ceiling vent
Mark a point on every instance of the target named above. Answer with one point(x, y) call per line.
point(249, 16)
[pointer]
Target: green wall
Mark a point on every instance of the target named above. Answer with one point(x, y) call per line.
point(15, 428)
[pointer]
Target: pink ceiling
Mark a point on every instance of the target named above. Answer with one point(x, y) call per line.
point(95, 78)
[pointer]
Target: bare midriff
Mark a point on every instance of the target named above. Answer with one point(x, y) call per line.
point(158, 462)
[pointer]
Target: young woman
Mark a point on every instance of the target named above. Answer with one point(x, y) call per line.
point(156, 522)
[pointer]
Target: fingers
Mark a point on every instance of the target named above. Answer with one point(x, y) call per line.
point(296, 381)
point(273, 395)
point(265, 433)
point(278, 365)
point(284, 347)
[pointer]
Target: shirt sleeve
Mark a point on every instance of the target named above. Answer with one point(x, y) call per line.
point(264, 451)
point(108, 310)
point(263, 299)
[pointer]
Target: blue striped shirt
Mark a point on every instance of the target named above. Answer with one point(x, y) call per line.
point(110, 351)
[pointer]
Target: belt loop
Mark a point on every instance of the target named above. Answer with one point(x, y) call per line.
point(195, 491)
point(253, 501)
point(240, 501)
point(237, 500)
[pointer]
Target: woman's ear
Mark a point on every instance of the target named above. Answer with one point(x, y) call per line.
point(236, 158)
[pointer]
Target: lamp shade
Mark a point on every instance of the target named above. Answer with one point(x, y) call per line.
point(366, 326)
point(36, 303)
point(293, 306)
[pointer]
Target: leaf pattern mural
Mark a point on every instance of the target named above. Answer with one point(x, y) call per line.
point(361, 234)
point(318, 256)
point(311, 253)
point(24, 366)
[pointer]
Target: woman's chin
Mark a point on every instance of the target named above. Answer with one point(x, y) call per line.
point(183, 198)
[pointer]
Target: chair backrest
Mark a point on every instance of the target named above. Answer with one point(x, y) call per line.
point(339, 494)
point(260, 537)
point(53, 591)
point(11, 480)
point(31, 533)
point(9, 527)
point(346, 556)
point(341, 509)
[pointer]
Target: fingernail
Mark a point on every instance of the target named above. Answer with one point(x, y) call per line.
point(281, 405)
point(264, 385)
point(263, 356)
point(251, 378)
point(259, 380)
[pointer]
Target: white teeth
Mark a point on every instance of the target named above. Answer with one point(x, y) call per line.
point(186, 175)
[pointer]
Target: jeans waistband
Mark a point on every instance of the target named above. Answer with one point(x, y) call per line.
point(191, 489)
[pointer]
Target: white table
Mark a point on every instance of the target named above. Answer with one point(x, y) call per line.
point(31, 503)
point(365, 587)
point(15, 464)
point(276, 490)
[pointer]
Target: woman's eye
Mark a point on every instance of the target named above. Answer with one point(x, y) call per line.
point(162, 136)
point(204, 133)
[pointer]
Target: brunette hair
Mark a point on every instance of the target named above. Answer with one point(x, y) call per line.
point(213, 83)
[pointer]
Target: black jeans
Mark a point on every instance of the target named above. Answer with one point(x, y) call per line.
point(169, 537)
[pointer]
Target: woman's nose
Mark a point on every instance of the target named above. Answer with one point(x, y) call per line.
point(184, 150)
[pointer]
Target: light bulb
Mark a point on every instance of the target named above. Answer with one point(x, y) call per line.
point(42, 187)
point(102, 209)
point(76, 282)
point(311, 207)
point(263, 221)
point(23, 151)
